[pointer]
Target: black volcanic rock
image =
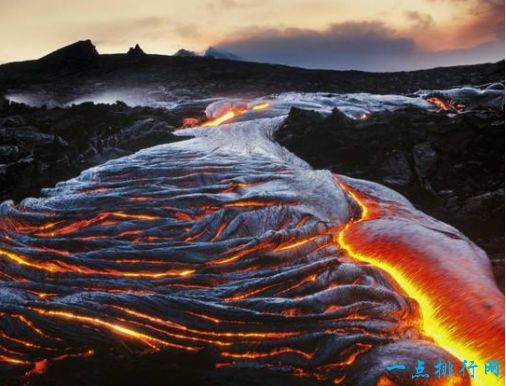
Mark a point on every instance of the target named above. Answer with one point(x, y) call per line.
point(136, 52)
point(3, 102)
point(79, 52)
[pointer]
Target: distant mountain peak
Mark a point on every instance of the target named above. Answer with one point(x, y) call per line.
point(185, 53)
point(136, 51)
point(212, 52)
point(81, 51)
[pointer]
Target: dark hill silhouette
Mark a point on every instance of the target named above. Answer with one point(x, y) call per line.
point(82, 51)
point(73, 70)
point(136, 51)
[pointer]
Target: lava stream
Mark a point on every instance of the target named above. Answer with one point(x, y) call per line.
point(235, 254)
point(458, 319)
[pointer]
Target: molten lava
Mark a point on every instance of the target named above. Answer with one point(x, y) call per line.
point(226, 115)
point(446, 104)
point(227, 243)
point(467, 321)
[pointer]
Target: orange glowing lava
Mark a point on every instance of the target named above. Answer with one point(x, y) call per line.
point(61, 267)
point(153, 342)
point(234, 112)
point(448, 105)
point(468, 322)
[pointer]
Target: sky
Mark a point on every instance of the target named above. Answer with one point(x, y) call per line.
point(372, 35)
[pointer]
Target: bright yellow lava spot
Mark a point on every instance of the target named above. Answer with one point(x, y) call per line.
point(218, 121)
point(261, 106)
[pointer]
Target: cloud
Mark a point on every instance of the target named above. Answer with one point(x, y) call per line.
point(368, 46)
point(187, 31)
point(481, 53)
point(353, 45)
point(419, 19)
point(487, 19)
point(479, 22)
point(232, 4)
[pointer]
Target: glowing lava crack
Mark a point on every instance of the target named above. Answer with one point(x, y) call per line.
point(228, 241)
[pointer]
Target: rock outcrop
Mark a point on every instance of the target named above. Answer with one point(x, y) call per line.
point(81, 52)
point(136, 52)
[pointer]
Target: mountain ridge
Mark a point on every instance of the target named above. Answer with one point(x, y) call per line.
point(78, 69)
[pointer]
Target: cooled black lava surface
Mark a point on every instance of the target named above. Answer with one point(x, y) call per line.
point(450, 166)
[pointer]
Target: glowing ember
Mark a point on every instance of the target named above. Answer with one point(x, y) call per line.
point(446, 105)
point(190, 122)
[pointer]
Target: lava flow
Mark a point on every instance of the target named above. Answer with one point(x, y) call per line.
point(224, 111)
point(228, 241)
point(445, 104)
point(461, 320)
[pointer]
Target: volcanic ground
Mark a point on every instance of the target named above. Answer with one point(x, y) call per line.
point(214, 238)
